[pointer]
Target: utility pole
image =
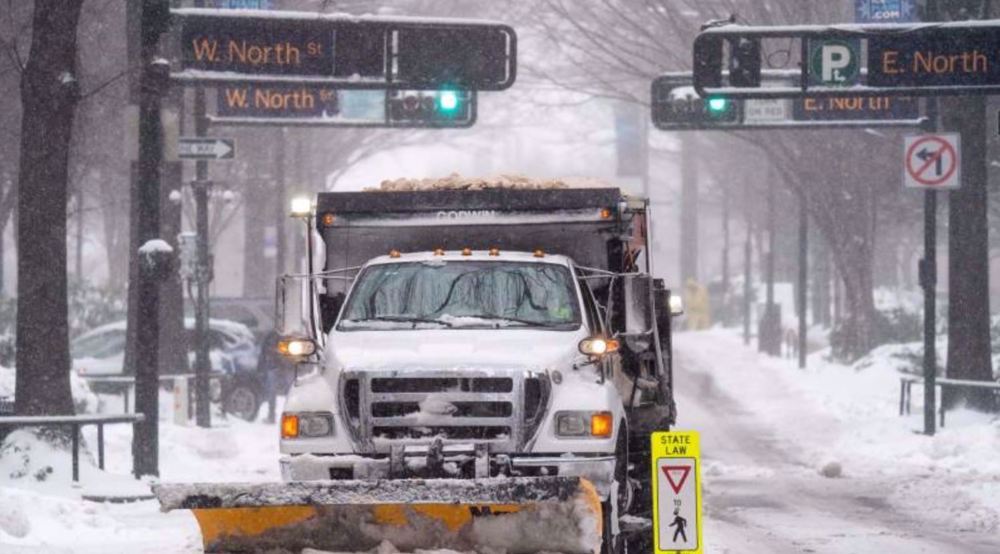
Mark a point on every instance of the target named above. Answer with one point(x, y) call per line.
point(153, 16)
point(203, 271)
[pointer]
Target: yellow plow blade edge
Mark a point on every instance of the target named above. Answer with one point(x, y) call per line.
point(518, 515)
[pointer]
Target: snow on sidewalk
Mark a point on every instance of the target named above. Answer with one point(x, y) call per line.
point(831, 413)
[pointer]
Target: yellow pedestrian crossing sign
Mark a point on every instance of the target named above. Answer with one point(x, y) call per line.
point(676, 492)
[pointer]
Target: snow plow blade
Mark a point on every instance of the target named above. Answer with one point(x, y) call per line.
point(516, 515)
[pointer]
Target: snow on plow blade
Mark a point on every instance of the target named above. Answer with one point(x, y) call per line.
point(518, 515)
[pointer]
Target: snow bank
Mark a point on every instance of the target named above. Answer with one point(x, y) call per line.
point(836, 414)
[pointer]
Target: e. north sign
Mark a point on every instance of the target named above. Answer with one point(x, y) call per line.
point(941, 59)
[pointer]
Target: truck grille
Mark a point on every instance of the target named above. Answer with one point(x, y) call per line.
point(387, 408)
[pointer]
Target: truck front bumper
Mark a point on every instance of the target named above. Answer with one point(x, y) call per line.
point(598, 469)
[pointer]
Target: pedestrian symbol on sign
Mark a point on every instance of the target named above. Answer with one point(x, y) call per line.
point(680, 523)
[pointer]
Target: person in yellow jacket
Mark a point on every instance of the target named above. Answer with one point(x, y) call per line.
point(697, 306)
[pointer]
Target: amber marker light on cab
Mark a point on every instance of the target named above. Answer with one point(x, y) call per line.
point(290, 426)
point(601, 424)
point(598, 346)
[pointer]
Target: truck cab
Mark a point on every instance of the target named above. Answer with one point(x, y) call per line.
point(477, 334)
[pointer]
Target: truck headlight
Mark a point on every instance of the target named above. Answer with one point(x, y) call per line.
point(598, 346)
point(296, 347)
point(306, 425)
point(585, 424)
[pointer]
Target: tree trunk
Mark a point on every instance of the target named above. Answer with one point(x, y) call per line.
point(49, 95)
point(969, 354)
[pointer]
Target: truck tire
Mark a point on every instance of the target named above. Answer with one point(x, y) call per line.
point(617, 544)
point(242, 401)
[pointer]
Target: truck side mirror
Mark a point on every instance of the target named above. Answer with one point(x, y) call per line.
point(638, 304)
point(296, 306)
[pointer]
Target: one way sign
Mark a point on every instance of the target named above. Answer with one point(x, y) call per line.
point(197, 148)
point(933, 162)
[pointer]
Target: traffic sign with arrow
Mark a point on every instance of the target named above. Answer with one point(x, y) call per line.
point(933, 162)
point(199, 148)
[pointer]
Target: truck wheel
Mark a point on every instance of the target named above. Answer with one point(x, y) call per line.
point(616, 544)
point(243, 402)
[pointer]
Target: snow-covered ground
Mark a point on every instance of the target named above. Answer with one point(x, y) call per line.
point(769, 432)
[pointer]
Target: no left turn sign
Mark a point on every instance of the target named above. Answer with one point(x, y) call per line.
point(933, 162)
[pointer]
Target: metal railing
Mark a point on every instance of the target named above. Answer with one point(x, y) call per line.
point(75, 422)
point(906, 383)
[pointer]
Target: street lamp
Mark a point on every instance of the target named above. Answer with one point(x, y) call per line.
point(302, 207)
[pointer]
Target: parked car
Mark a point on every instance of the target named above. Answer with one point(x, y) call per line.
point(233, 350)
point(256, 313)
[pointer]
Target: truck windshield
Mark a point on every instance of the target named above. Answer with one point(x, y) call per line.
point(452, 294)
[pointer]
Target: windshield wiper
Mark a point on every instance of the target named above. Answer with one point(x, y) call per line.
point(401, 319)
point(525, 322)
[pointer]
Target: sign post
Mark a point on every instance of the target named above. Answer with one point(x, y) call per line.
point(676, 460)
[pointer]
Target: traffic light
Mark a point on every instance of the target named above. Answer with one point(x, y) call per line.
point(718, 107)
point(434, 108)
point(677, 107)
point(744, 62)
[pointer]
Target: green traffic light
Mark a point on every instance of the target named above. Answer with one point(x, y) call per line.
point(447, 101)
point(718, 105)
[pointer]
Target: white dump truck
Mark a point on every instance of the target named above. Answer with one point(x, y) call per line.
point(476, 368)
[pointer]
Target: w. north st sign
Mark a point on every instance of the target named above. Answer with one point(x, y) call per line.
point(359, 53)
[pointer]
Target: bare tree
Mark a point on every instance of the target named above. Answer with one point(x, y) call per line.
point(49, 96)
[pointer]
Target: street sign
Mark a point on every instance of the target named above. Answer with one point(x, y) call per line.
point(766, 111)
point(677, 107)
point(308, 104)
point(198, 148)
point(277, 100)
point(933, 162)
point(935, 58)
point(944, 59)
point(676, 492)
point(839, 108)
point(885, 11)
point(220, 47)
point(834, 63)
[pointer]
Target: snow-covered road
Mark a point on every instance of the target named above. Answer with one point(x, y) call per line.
point(767, 429)
point(766, 435)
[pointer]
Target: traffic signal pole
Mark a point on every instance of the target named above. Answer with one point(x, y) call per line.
point(153, 81)
point(203, 273)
